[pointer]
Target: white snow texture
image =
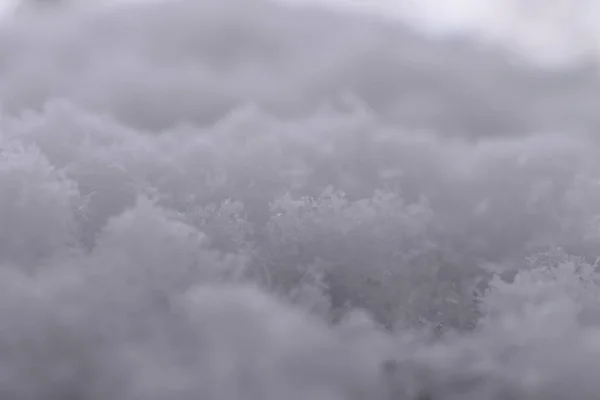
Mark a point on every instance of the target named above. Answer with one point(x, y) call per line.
point(243, 200)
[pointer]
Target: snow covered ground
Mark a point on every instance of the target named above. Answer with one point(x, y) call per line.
point(233, 199)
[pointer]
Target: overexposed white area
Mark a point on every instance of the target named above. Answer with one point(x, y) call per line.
point(552, 32)
point(6, 6)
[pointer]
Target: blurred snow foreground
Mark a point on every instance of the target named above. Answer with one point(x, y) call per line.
point(236, 200)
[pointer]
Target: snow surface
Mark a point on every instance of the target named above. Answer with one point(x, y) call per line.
point(235, 199)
